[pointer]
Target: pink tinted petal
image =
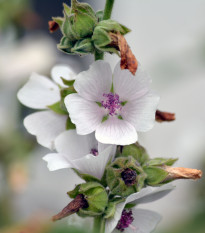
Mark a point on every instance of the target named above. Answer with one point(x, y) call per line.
point(96, 81)
point(130, 87)
point(75, 146)
point(141, 112)
point(116, 131)
point(86, 115)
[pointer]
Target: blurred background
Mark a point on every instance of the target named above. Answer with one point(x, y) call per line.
point(168, 38)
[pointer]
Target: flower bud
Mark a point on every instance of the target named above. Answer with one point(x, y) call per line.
point(101, 37)
point(125, 176)
point(95, 195)
point(79, 22)
point(82, 47)
point(137, 152)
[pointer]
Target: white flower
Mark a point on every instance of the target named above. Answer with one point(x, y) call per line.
point(81, 152)
point(115, 117)
point(38, 93)
point(144, 221)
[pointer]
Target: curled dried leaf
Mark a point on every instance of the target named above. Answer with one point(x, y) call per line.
point(164, 116)
point(128, 60)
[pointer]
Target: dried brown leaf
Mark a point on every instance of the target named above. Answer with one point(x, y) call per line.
point(164, 116)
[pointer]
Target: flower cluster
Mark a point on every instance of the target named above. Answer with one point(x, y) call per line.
point(91, 121)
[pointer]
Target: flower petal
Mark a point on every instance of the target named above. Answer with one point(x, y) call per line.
point(116, 131)
point(141, 112)
point(96, 81)
point(75, 146)
point(102, 147)
point(145, 221)
point(38, 92)
point(56, 161)
point(145, 195)
point(86, 115)
point(63, 71)
point(94, 165)
point(46, 126)
point(130, 87)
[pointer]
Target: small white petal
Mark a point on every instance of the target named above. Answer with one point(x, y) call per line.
point(46, 126)
point(73, 145)
point(56, 161)
point(39, 92)
point(96, 81)
point(145, 221)
point(116, 131)
point(63, 71)
point(86, 115)
point(94, 165)
point(141, 112)
point(130, 87)
point(145, 195)
point(102, 147)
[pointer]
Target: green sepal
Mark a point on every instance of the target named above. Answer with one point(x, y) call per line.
point(57, 108)
point(137, 152)
point(74, 192)
point(83, 7)
point(69, 124)
point(83, 47)
point(114, 179)
point(67, 28)
point(67, 82)
point(99, 15)
point(67, 91)
point(160, 162)
point(101, 37)
point(86, 177)
point(67, 9)
point(111, 208)
point(130, 205)
point(96, 196)
point(65, 43)
point(155, 175)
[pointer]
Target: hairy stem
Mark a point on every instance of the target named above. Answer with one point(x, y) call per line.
point(108, 9)
point(99, 225)
point(107, 14)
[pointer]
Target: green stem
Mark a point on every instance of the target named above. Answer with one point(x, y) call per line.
point(108, 9)
point(99, 225)
point(107, 14)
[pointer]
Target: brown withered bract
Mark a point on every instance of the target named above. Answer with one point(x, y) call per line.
point(53, 26)
point(164, 116)
point(73, 207)
point(128, 60)
point(182, 173)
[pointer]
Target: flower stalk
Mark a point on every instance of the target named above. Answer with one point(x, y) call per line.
point(99, 225)
point(107, 14)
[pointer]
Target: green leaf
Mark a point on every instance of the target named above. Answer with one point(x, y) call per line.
point(155, 175)
point(161, 162)
point(69, 124)
point(57, 108)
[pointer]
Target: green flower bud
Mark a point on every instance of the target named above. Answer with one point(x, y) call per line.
point(125, 176)
point(136, 151)
point(95, 195)
point(101, 37)
point(84, 46)
point(79, 21)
